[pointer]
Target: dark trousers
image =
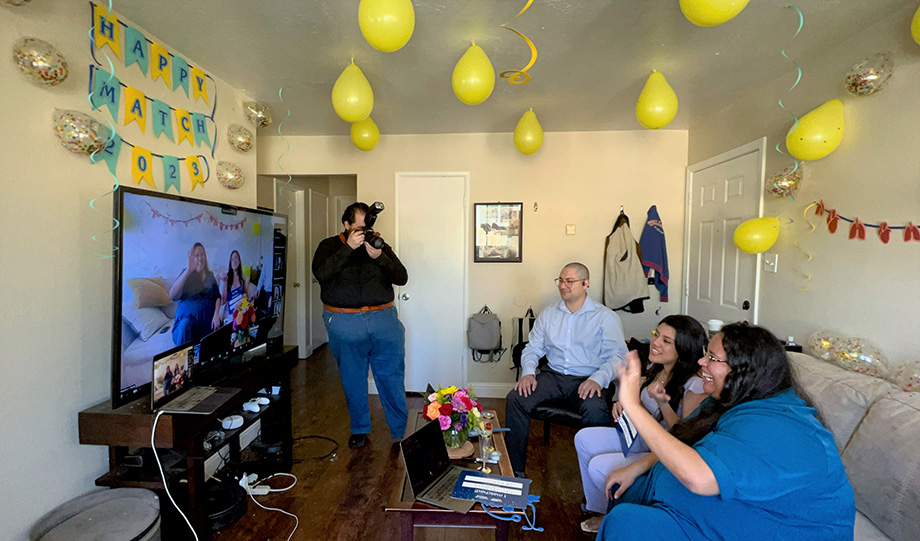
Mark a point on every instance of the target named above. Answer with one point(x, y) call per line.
point(562, 391)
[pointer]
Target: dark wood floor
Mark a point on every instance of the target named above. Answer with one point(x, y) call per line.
point(342, 497)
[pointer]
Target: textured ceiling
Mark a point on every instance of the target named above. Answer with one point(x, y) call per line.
point(594, 56)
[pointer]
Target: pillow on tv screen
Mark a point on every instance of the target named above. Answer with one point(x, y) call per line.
point(146, 321)
point(149, 292)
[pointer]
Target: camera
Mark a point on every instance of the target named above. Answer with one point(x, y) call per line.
point(369, 220)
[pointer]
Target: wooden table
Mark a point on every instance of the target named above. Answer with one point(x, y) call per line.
point(414, 513)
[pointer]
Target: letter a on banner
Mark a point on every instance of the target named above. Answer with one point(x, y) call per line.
point(136, 49)
point(136, 107)
point(106, 30)
point(171, 173)
point(159, 64)
point(194, 171)
point(184, 125)
point(141, 166)
point(199, 85)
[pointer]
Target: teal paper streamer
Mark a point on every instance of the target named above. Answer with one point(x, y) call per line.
point(795, 84)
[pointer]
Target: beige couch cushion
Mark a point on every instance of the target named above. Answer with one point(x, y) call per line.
point(842, 397)
point(883, 465)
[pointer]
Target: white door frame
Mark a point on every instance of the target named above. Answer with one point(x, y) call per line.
point(298, 250)
point(461, 323)
point(754, 146)
point(313, 318)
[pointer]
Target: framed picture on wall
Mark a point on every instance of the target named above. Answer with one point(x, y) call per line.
point(498, 232)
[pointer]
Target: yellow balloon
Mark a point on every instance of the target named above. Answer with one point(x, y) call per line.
point(474, 76)
point(364, 134)
point(528, 135)
point(246, 271)
point(818, 133)
point(352, 95)
point(757, 235)
point(386, 24)
point(256, 229)
point(915, 26)
point(711, 12)
point(657, 103)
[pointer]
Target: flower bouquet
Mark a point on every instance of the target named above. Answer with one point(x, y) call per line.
point(457, 410)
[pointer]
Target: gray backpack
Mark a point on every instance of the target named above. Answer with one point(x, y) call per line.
point(484, 336)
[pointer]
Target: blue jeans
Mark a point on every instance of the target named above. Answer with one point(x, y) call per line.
point(376, 339)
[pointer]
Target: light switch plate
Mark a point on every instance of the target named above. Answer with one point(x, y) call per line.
point(770, 262)
point(569, 229)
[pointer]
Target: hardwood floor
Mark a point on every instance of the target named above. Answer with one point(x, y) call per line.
point(342, 496)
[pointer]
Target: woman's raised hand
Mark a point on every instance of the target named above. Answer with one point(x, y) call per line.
point(629, 380)
point(657, 392)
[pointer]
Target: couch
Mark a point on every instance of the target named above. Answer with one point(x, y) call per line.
point(876, 427)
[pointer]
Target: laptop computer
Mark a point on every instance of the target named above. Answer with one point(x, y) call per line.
point(213, 354)
point(173, 390)
point(431, 475)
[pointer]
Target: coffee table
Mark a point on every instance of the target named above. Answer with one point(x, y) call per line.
point(413, 513)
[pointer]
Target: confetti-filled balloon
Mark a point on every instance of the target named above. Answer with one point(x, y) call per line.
point(870, 75)
point(17, 2)
point(260, 114)
point(239, 138)
point(860, 355)
point(40, 61)
point(230, 175)
point(785, 182)
point(78, 132)
point(823, 344)
point(907, 377)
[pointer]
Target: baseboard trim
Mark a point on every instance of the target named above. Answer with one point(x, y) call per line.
point(490, 389)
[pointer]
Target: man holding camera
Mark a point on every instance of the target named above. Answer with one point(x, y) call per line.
point(356, 271)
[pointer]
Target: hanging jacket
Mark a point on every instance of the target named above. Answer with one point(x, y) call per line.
point(655, 251)
point(624, 282)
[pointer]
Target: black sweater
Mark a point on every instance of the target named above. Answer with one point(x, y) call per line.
point(351, 279)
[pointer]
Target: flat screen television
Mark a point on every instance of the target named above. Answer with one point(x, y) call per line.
point(173, 260)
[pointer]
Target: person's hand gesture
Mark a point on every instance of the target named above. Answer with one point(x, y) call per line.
point(191, 261)
point(215, 322)
point(624, 477)
point(371, 251)
point(616, 410)
point(629, 374)
point(526, 385)
point(356, 238)
point(657, 393)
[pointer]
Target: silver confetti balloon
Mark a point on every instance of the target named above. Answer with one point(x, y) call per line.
point(860, 355)
point(822, 344)
point(229, 175)
point(260, 114)
point(78, 132)
point(16, 2)
point(40, 61)
point(870, 75)
point(907, 377)
point(239, 138)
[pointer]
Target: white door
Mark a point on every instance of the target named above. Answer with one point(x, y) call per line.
point(722, 282)
point(289, 201)
point(341, 203)
point(431, 238)
point(319, 230)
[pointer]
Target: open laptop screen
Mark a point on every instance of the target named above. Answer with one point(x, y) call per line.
point(425, 456)
point(171, 374)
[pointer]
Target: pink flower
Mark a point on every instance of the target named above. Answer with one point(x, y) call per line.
point(444, 420)
point(433, 397)
point(460, 394)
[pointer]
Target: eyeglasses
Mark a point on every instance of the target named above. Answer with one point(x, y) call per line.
point(712, 358)
point(569, 282)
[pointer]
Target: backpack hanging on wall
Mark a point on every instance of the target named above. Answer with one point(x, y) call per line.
point(523, 326)
point(484, 336)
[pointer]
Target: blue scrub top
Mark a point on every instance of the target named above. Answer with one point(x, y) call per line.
point(779, 473)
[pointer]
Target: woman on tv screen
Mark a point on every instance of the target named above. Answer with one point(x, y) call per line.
point(235, 286)
point(198, 298)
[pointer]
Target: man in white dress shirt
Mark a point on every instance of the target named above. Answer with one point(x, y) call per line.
point(583, 342)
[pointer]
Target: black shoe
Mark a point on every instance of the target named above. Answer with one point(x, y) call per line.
point(356, 441)
point(519, 475)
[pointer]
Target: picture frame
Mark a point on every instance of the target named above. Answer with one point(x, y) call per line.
point(498, 235)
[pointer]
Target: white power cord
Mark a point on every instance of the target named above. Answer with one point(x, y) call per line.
point(163, 475)
point(244, 482)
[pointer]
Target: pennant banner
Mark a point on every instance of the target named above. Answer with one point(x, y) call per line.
point(162, 120)
point(135, 107)
point(172, 69)
point(106, 90)
point(206, 217)
point(858, 228)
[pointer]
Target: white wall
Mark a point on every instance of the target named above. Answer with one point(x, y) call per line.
point(55, 301)
point(858, 288)
point(576, 178)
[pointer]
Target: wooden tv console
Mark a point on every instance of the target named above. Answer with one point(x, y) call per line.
point(129, 427)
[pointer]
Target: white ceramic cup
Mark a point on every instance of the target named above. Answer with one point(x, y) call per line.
point(715, 325)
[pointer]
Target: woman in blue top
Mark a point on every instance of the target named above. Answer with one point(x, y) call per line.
point(198, 298)
point(234, 286)
point(755, 463)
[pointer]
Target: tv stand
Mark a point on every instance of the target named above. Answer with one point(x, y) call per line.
point(129, 426)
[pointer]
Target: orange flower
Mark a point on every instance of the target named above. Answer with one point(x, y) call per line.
point(433, 411)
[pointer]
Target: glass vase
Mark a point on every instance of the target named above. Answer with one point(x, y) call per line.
point(455, 438)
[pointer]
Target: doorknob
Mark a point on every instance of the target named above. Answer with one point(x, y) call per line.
point(404, 296)
point(296, 284)
point(746, 305)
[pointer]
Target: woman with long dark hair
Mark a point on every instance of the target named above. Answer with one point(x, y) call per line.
point(235, 286)
point(198, 297)
point(672, 389)
point(754, 463)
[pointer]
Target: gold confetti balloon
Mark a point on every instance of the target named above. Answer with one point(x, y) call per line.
point(40, 61)
point(260, 114)
point(870, 75)
point(239, 138)
point(785, 182)
point(860, 355)
point(823, 344)
point(907, 377)
point(229, 175)
point(78, 132)
point(16, 2)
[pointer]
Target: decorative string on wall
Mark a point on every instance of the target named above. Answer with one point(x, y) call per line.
point(519, 77)
point(280, 167)
point(203, 217)
point(858, 228)
point(781, 184)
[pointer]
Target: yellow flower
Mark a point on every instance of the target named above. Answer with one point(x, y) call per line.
point(450, 390)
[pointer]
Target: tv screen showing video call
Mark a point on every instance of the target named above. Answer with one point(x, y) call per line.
point(194, 273)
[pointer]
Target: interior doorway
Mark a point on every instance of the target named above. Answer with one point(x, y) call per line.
point(289, 202)
point(721, 281)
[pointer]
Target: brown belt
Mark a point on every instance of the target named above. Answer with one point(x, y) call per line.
point(358, 310)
